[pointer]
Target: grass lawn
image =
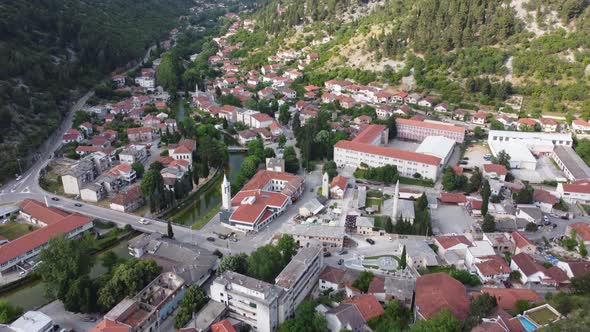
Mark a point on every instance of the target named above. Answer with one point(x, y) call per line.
point(376, 257)
point(199, 223)
point(416, 182)
point(13, 230)
point(542, 316)
point(380, 221)
point(372, 201)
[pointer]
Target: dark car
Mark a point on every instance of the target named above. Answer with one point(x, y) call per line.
point(465, 158)
point(464, 162)
point(564, 217)
point(340, 261)
point(343, 252)
point(327, 254)
point(210, 239)
point(78, 205)
point(54, 199)
point(371, 241)
point(89, 319)
point(554, 225)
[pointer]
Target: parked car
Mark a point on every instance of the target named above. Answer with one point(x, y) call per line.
point(327, 254)
point(89, 319)
point(343, 252)
point(78, 205)
point(233, 239)
point(465, 158)
point(54, 199)
point(340, 261)
point(463, 162)
point(144, 221)
point(554, 225)
point(210, 239)
point(371, 241)
point(18, 178)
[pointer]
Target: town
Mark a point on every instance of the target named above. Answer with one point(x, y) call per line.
point(256, 200)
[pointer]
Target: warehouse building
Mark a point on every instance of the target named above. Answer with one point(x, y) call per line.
point(438, 146)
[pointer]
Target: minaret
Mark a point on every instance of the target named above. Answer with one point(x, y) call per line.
point(225, 194)
point(326, 186)
point(395, 202)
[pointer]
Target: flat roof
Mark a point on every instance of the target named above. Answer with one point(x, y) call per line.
point(437, 146)
point(572, 162)
point(518, 152)
point(297, 267)
point(530, 135)
point(315, 230)
point(32, 321)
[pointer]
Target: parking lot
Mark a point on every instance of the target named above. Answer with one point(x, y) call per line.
point(68, 320)
point(545, 171)
point(475, 154)
point(449, 219)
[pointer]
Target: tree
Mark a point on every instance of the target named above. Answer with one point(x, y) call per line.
point(478, 132)
point(282, 140)
point(170, 230)
point(269, 153)
point(288, 248)
point(296, 124)
point(422, 202)
point(395, 318)
point(109, 260)
point(525, 195)
point(127, 280)
point(236, 263)
point(402, 259)
point(515, 275)
point(503, 158)
point(443, 321)
point(265, 263)
point(284, 115)
point(448, 179)
point(291, 161)
point(138, 168)
point(330, 168)
point(582, 249)
point(305, 319)
point(8, 312)
point(475, 180)
point(482, 305)
point(193, 300)
point(485, 195)
point(64, 263)
point(363, 281)
point(489, 224)
point(531, 227)
point(388, 225)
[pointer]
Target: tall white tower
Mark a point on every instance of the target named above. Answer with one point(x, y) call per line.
point(225, 194)
point(395, 203)
point(326, 186)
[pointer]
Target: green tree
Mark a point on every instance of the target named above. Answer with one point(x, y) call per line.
point(288, 248)
point(282, 140)
point(402, 259)
point(330, 168)
point(448, 179)
point(305, 319)
point(581, 285)
point(265, 263)
point(236, 263)
point(503, 158)
point(582, 249)
point(138, 168)
point(127, 280)
point(444, 321)
point(485, 195)
point(193, 300)
point(395, 318)
point(525, 195)
point(296, 124)
point(8, 312)
point(170, 231)
point(515, 275)
point(489, 224)
point(478, 132)
point(110, 260)
point(363, 281)
point(422, 202)
point(284, 115)
point(388, 225)
point(65, 262)
point(482, 305)
point(475, 180)
point(291, 161)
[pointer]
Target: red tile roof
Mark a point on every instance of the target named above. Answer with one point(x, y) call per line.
point(449, 241)
point(438, 291)
point(369, 133)
point(139, 130)
point(458, 169)
point(476, 204)
point(582, 229)
point(40, 236)
point(223, 326)
point(367, 304)
point(548, 121)
point(332, 274)
point(430, 125)
point(389, 152)
point(527, 121)
point(340, 182)
point(495, 168)
point(520, 240)
point(579, 268)
point(455, 198)
point(480, 114)
point(377, 285)
point(263, 177)
point(107, 325)
point(127, 197)
point(492, 266)
point(507, 297)
point(88, 149)
point(41, 212)
point(543, 196)
point(527, 264)
point(258, 210)
point(580, 186)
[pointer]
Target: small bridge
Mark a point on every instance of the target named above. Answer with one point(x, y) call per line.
point(237, 149)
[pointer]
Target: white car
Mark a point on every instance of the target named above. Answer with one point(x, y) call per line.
point(144, 221)
point(18, 178)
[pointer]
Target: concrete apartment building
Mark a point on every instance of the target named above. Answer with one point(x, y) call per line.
point(146, 311)
point(265, 306)
point(84, 171)
point(418, 130)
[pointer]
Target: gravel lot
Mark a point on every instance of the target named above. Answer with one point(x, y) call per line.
point(448, 219)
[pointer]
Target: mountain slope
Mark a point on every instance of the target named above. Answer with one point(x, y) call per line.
point(48, 48)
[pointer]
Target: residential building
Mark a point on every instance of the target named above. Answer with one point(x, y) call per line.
point(479, 118)
point(128, 200)
point(492, 269)
point(30, 321)
point(141, 134)
point(529, 213)
point(582, 231)
point(544, 200)
point(533, 273)
point(329, 237)
point(580, 125)
point(148, 309)
point(500, 242)
point(19, 251)
point(577, 191)
point(354, 313)
point(522, 244)
point(495, 171)
point(438, 291)
point(365, 225)
point(275, 164)
point(133, 153)
point(419, 130)
point(338, 187)
point(453, 248)
point(507, 297)
point(183, 150)
point(574, 269)
point(475, 253)
point(84, 171)
point(574, 167)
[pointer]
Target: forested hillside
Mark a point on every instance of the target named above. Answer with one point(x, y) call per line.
point(470, 53)
point(50, 47)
